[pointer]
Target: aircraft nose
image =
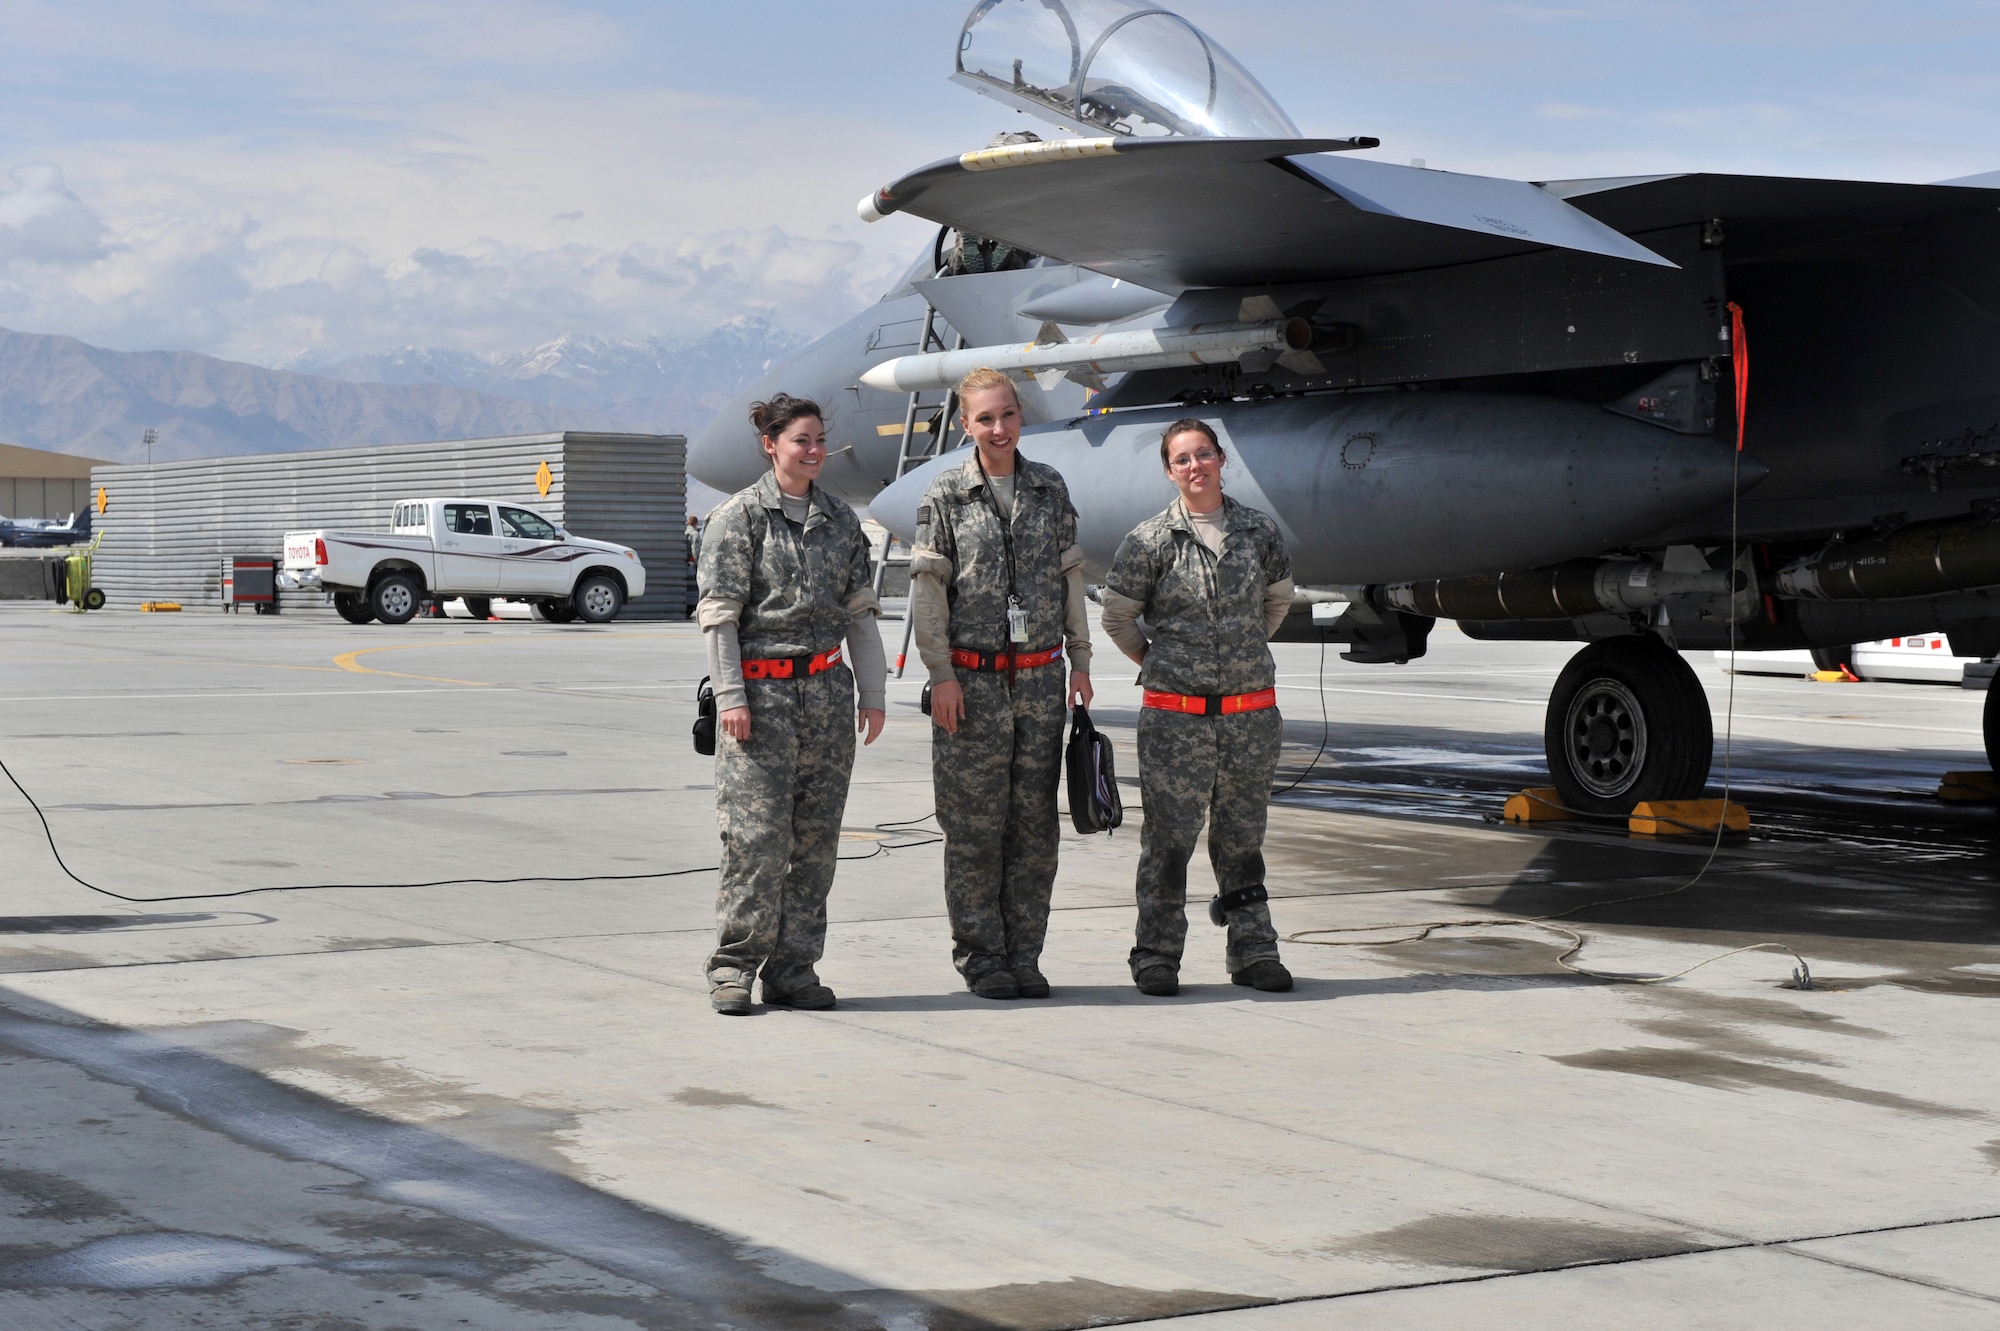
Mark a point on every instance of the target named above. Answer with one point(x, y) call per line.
point(724, 453)
point(896, 506)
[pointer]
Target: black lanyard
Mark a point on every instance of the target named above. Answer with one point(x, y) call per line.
point(1006, 525)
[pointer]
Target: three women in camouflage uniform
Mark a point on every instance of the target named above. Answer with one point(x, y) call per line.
point(784, 577)
point(997, 602)
point(1212, 580)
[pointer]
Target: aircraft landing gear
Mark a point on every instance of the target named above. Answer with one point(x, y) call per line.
point(1628, 721)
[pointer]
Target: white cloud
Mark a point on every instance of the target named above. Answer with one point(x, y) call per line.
point(42, 222)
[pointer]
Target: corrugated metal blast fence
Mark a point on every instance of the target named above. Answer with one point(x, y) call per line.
point(168, 526)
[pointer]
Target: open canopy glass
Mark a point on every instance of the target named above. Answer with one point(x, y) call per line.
point(1113, 67)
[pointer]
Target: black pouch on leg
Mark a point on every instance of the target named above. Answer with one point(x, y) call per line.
point(1094, 805)
point(1220, 906)
point(704, 718)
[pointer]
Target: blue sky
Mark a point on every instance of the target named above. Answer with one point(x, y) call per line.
point(260, 180)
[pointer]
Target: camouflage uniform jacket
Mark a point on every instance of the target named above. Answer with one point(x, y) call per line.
point(1206, 613)
point(961, 540)
point(800, 588)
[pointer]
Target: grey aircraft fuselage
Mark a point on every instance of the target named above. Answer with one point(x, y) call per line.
point(1874, 386)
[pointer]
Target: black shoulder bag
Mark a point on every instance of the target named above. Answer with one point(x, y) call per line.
point(1094, 805)
point(704, 718)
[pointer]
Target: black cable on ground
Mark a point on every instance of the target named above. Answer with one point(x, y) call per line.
point(49, 836)
point(1325, 726)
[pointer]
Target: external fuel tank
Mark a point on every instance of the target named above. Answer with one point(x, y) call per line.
point(1390, 486)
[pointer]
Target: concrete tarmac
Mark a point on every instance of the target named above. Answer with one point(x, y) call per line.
point(506, 1104)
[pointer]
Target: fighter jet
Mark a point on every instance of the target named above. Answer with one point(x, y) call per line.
point(1647, 414)
point(46, 533)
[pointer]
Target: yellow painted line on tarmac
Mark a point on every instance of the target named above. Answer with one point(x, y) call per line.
point(351, 661)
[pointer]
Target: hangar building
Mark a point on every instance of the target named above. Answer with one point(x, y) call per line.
point(39, 484)
point(168, 526)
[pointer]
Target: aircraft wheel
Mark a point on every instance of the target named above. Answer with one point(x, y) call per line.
point(1992, 719)
point(394, 598)
point(598, 599)
point(479, 607)
point(353, 608)
point(556, 612)
point(1628, 721)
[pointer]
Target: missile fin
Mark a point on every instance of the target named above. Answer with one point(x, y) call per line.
point(1049, 380)
point(1302, 362)
point(1049, 335)
point(1258, 309)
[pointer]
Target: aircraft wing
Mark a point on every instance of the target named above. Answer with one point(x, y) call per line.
point(1765, 214)
point(1178, 213)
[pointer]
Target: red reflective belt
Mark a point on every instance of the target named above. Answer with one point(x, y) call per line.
point(789, 667)
point(1212, 704)
point(971, 660)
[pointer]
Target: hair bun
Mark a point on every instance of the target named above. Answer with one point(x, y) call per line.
point(772, 417)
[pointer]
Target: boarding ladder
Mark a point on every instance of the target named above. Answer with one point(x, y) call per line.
point(932, 419)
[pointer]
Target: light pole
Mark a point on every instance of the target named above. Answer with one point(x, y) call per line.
point(150, 438)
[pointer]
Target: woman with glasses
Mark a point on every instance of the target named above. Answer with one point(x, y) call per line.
point(784, 577)
point(1212, 580)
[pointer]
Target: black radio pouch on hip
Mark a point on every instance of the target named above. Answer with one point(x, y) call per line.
point(704, 718)
point(1094, 805)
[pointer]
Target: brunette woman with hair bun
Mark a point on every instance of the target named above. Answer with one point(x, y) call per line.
point(784, 577)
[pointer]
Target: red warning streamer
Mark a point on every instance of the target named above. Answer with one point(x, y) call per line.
point(1739, 360)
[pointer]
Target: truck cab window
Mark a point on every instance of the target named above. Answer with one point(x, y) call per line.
point(468, 519)
point(519, 522)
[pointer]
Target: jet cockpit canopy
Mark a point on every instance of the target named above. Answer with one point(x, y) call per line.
point(1113, 66)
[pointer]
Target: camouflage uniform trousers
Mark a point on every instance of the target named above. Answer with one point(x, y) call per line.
point(779, 797)
point(995, 782)
point(1189, 766)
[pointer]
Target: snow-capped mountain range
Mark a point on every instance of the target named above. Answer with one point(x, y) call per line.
point(654, 383)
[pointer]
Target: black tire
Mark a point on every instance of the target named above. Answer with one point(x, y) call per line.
point(557, 612)
point(93, 599)
point(394, 598)
point(479, 607)
point(598, 599)
point(1628, 721)
point(353, 608)
point(1833, 658)
point(1992, 726)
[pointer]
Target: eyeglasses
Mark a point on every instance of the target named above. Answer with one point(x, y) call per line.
point(1203, 458)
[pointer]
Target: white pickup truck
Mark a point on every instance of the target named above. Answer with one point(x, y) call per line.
point(473, 548)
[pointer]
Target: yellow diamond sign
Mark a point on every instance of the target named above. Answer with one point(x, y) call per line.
point(100, 500)
point(544, 478)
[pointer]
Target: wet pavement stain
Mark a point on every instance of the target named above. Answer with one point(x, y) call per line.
point(704, 1098)
point(53, 1197)
point(1720, 1072)
point(1064, 1303)
point(1992, 1153)
point(197, 1261)
point(1514, 1243)
point(88, 924)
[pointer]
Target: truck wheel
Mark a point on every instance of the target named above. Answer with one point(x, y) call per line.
point(352, 608)
point(556, 612)
point(598, 599)
point(1628, 721)
point(93, 599)
point(394, 598)
point(479, 607)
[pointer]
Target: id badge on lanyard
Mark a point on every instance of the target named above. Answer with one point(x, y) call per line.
point(1017, 621)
